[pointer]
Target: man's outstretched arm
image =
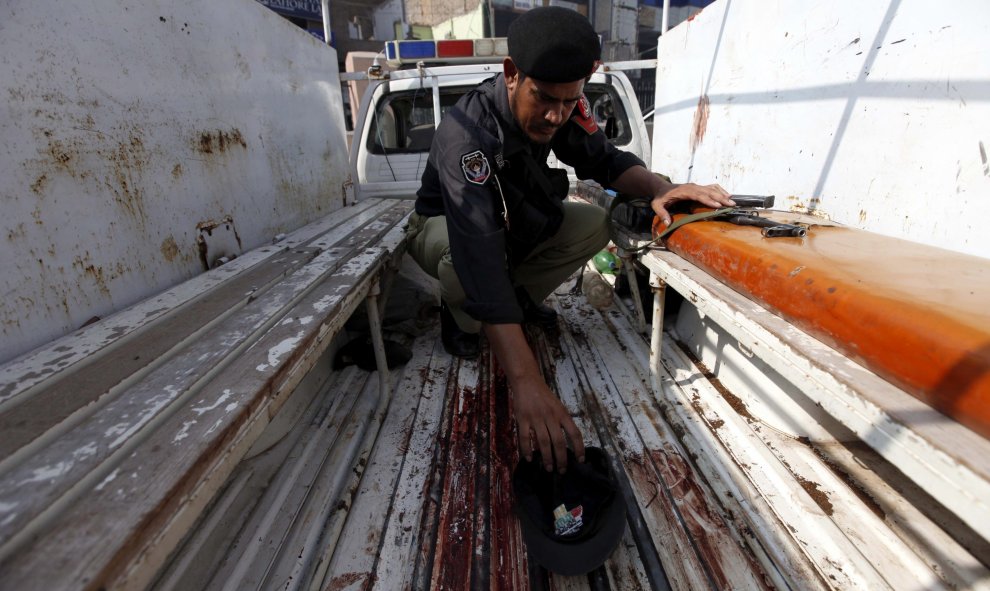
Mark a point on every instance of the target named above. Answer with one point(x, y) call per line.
point(541, 417)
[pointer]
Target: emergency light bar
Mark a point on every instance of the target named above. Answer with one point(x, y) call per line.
point(462, 51)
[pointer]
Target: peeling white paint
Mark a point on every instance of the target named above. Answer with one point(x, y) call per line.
point(116, 430)
point(323, 304)
point(230, 407)
point(110, 478)
point(305, 320)
point(8, 508)
point(86, 451)
point(214, 426)
point(155, 404)
point(350, 269)
point(158, 200)
point(223, 398)
point(48, 472)
point(276, 352)
point(184, 432)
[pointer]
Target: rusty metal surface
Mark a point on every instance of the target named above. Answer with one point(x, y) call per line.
point(118, 145)
point(205, 401)
point(875, 116)
point(67, 392)
point(45, 366)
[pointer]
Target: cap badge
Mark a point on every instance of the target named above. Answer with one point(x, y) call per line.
point(475, 167)
point(567, 522)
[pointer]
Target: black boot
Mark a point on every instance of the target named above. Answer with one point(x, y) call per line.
point(455, 341)
point(538, 314)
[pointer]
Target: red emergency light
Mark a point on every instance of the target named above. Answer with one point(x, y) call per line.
point(455, 48)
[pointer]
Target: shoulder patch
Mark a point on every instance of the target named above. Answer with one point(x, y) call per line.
point(583, 116)
point(475, 167)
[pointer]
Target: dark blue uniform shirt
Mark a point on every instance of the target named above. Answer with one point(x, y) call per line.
point(498, 193)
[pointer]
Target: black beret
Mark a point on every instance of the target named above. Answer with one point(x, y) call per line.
point(554, 44)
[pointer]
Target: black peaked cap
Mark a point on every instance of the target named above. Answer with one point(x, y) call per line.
point(590, 488)
point(554, 44)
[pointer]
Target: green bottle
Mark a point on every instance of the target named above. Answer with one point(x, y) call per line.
point(607, 262)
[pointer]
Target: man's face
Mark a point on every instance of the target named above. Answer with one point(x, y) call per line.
point(540, 108)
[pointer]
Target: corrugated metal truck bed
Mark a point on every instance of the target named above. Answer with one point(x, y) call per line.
point(433, 506)
point(429, 505)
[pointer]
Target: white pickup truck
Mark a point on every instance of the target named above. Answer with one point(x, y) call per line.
point(401, 108)
point(219, 371)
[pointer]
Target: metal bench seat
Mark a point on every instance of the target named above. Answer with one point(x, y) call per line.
point(118, 436)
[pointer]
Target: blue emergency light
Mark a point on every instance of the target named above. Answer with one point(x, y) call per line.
point(445, 51)
point(417, 49)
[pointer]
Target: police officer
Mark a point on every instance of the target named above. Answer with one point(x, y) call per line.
point(491, 222)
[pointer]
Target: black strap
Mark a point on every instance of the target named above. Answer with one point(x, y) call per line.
point(695, 217)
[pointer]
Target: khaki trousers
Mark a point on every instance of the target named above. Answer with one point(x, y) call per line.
point(582, 234)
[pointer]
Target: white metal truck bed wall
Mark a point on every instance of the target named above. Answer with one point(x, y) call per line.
point(126, 124)
point(874, 114)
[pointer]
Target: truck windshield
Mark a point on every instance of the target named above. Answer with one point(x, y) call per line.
point(403, 121)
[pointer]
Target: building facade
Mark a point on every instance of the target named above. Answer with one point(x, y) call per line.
point(629, 28)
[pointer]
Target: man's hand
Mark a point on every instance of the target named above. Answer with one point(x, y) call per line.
point(711, 195)
point(542, 421)
point(636, 180)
